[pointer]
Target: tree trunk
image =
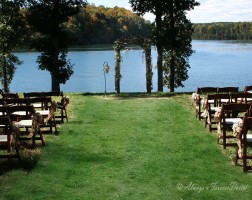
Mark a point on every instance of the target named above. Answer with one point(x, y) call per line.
point(159, 52)
point(55, 43)
point(160, 68)
point(172, 75)
point(55, 68)
point(172, 64)
point(55, 80)
point(5, 78)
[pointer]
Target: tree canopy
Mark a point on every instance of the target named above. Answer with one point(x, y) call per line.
point(11, 31)
point(172, 36)
point(101, 25)
point(51, 38)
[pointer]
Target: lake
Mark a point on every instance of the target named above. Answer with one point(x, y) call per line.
point(215, 63)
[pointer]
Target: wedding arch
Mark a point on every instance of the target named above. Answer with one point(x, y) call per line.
point(145, 44)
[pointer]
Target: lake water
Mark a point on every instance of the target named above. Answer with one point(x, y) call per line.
point(215, 63)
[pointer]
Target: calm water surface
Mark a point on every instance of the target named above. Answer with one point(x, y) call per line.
point(215, 63)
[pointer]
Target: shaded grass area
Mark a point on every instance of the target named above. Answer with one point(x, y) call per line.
point(129, 147)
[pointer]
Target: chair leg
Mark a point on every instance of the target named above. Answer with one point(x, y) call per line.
point(18, 154)
point(42, 138)
point(224, 139)
point(9, 151)
point(66, 115)
point(54, 123)
point(62, 116)
point(34, 140)
point(244, 158)
point(199, 113)
point(236, 156)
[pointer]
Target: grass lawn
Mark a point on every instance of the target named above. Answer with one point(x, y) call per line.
point(128, 147)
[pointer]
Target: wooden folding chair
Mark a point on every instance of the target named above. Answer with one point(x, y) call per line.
point(213, 104)
point(243, 143)
point(43, 107)
point(231, 113)
point(24, 117)
point(8, 140)
point(62, 103)
point(202, 92)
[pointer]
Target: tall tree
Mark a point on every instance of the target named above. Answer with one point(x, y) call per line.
point(176, 35)
point(157, 8)
point(47, 18)
point(166, 12)
point(11, 31)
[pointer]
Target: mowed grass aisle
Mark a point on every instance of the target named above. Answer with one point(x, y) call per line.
point(129, 148)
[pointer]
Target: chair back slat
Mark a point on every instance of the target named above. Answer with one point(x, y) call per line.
point(10, 95)
point(43, 102)
point(206, 90)
point(233, 109)
point(33, 94)
point(228, 89)
point(16, 101)
point(25, 110)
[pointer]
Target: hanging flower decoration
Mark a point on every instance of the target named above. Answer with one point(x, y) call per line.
point(106, 68)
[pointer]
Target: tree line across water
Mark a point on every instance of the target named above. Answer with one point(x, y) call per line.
point(223, 31)
point(101, 25)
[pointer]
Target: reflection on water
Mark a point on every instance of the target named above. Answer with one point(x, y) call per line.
point(215, 63)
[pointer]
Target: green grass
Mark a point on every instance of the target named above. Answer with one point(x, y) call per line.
point(129, 147)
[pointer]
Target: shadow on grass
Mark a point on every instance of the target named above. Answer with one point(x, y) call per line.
point(95, 158)
point(28, 160)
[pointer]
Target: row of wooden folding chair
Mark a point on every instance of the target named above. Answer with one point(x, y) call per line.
point(218, 99)
point(21, 117)
point(62, 101)
point(228, 110)
point(41, 105)
point(61, 104)
point(226, 118)
point(204, 91)
point(214, 102)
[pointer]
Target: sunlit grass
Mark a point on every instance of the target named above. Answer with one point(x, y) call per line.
point(129, 147)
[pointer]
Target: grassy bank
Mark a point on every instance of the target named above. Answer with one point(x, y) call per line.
point(129, 147)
